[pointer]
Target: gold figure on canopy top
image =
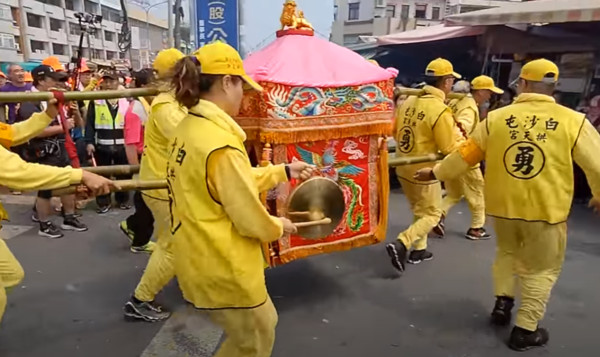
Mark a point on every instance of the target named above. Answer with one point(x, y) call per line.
point(290, 19)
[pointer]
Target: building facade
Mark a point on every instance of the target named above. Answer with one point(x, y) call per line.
point(31, 30)
point(356, 18)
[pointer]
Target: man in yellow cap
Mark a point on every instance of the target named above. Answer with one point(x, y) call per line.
point(424, 125)
point(165, 115)
point(470, 185)
point(529, 148)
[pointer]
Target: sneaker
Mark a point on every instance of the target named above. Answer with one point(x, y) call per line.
point(477, 234)
point(147, 311)
point(502, 314)
point(75, 214)
point(417, 256)
point(397, 252)
point(103, 209)
point(124, 206)
point(34, 217)
point(440, 228)
point(146, 248)
point(523, 340)
point(128, 232)
point(49, 230)
point(72, 223)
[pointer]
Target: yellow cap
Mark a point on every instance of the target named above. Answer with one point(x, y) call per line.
point(222, 59)
point(165, 61)
point(439, 68)
point(540, 70)
point(485, 82)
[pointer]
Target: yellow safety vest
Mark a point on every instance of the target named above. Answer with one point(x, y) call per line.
point(529, 164)
point(216, 267)
point(415, 120)
point(109, 130)
point(467, 102)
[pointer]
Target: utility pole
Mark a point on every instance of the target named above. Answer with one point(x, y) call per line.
point(177, 30)
point(170, 21)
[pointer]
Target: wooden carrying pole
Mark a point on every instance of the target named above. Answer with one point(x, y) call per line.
point(124, 185)
point(399, 161)
point(420, 92)
point(116, 170)
point(19, 97)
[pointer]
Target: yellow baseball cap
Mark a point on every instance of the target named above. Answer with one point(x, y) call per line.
point(165, 61)
point(485, 82)
point(439, 68)
point(540, 70)
point(222, 59)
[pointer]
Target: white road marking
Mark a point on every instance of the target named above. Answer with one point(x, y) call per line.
point(9, 231)
point(188, 333)
point(28, 200)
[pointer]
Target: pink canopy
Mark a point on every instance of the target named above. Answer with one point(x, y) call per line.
point(301, 60)
point(431, 33)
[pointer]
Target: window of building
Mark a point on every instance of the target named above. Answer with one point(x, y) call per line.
point(353, 11)
point(99, 54)
point(5, 12)
point(38, 46)
point(7, 41)
point(70, 5)
point(74, 29)
point(109, 36)
point(111, 55)
point(390, 11)
point(421, 11)
point(435, 13)
point(51, 2)
point(18, 44)
point(35, 21)
point(335, 12)
point(90, 7)
point(56, 25)
point(404, 12)
point(111, 14)
point(59, 49)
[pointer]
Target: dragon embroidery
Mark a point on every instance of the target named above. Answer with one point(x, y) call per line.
point(341, 172)
point(307, 101)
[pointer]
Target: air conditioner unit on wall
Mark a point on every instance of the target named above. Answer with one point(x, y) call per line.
point(380, 3)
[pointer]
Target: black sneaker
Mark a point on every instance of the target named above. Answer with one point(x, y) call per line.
point(502, 314)
point(103, 209)
point(477, 234)
point(34, 217)
point(147, 311)
point(49, 230)
point(71, 223)
point(440, 228)
point(418, 256)
point(124, 206)
point(523, 340)
point(76, 214)
point(397, 252)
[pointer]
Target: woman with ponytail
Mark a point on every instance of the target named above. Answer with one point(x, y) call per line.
point(217, 220)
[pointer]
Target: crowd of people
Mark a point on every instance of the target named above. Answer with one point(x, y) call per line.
point(210, 224)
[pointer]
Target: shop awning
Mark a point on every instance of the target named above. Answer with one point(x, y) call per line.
point(430, 33)
point(531, 12)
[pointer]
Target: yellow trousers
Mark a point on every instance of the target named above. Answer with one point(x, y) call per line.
point(530, 254)
point(249, 332)
point(425, 202)
point(11, 274)
point(160, 269)
point(470, 186)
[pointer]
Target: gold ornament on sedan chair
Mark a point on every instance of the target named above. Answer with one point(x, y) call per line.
point(291, 18)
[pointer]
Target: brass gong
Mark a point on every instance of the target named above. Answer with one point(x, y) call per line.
point(316, 206)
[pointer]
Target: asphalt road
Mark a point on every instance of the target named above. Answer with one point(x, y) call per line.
point(349, 304)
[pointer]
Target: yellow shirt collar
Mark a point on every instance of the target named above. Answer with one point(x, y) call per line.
point(438, 93)
point(212, 112)
point(534, 97)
